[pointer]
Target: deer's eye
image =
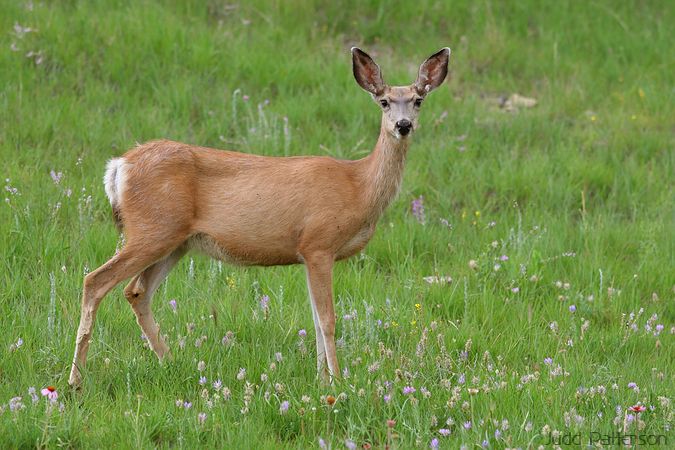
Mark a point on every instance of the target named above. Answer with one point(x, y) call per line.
point(384, 103)
point(418, 103)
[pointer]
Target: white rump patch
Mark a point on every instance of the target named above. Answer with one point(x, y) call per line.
point(114, 179)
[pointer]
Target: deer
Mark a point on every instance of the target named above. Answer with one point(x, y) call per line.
point(169, 198)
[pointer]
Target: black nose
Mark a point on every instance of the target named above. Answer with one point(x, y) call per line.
point(404, 126)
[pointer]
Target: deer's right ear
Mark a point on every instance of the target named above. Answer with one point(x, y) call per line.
point(366, 72)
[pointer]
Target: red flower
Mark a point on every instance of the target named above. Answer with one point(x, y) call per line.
point(638, 408)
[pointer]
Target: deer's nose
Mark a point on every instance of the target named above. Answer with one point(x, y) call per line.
point(403, 126)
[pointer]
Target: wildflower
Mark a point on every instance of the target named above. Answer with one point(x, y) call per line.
point(50, 393)
point(572, 308)
point(330, 400)
point(283, 408)
point(434, 443)
point(391, 423)
point(548, 361)
point(226, 393)
point(15, 404)
point(497, 266)
point(638, 408)
point(444, 432)
point(302, 333)
point(633, 386)
point(473, 264)
point(461, 379)
point(242, 374)
point(498, 434)
point(187, 404)
point(503, 258)
point(264, 302)
point(33, 395)
point(56, 176)
point(467, 425)
point(217, 385)
point(201, 365)
point(201, 417)
point(322, 443)
point(173, 304)
point(278, 356)
point(515, 290)
point(351, 445)
point(387, 398)
point(417, 207)
point(485, 443)
point(408, 390)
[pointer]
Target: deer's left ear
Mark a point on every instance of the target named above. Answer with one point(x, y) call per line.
point(432, 72)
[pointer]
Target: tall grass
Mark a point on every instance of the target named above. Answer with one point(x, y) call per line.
point(555, 224)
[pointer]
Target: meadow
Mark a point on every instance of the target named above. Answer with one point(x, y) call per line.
point(521, 288)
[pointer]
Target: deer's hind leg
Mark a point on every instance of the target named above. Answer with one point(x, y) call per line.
point(131, 260)
point(139, 294)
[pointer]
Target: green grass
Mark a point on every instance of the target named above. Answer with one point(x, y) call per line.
point(577, 191)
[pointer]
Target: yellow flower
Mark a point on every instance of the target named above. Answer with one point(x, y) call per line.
point(394, 323)
point(418, 306)
point(413, 322)
point(230, 282)
point(477, 213)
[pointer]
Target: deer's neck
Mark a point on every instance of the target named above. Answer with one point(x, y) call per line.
point(384, 172)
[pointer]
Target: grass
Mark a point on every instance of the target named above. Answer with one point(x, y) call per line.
point(577, 192)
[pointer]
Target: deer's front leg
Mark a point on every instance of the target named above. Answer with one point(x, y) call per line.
point(320, 283)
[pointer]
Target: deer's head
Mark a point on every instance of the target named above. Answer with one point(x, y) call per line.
point(400, 104)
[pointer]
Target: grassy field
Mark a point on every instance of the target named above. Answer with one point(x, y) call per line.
point(555, 224)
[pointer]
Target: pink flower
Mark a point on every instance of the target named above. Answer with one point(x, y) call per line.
point(638, 408)
point(50, 393)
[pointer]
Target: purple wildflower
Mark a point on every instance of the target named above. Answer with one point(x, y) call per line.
point(548, 361)
point(408, 390)
point(351, 445)
point(444, 432)
point(202, 380)
point(461, 379)
point(302, 333)
point(417, 207)
point(217, 385)
point(56, 176)
point(503, 258)
point(264, 302)
point(201, 417)
point(387, 398)
point(572, 308)
point(467, 425)
point(173, 304)
point(283, 408)
point(434, 443)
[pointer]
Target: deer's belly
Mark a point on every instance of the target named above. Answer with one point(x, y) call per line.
point(243, 255)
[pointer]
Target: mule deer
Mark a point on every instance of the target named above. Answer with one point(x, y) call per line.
point(169, 197)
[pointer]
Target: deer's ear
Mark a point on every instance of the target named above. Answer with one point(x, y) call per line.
point(432, 72)
point(366, 72)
